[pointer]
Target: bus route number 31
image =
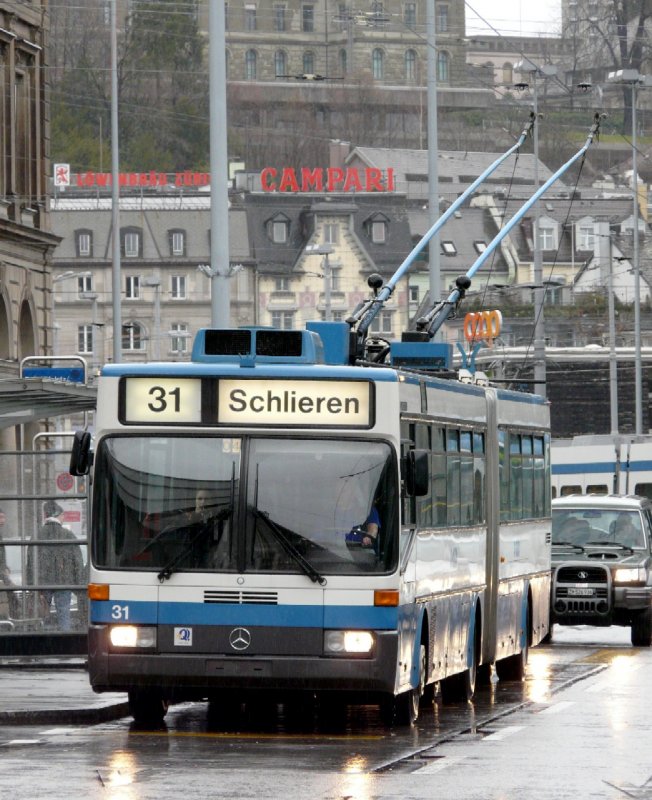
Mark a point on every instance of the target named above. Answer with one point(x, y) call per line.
point(162, 400)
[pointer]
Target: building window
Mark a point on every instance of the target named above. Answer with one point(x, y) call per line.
point(132, 336)
point(179, 342)
point(586, 237)
point(443, 67)
point(377, 64)
point(410, 66)
point(280, 63)
point(547, 238)
point(84, 338)
point(378, 232)
point(441, 25)
point(178, 287)
point(84, 243)
point(282, 285)
point(331, 233)
point(308, 63)
point(177, 243)
point(448, 248)
point(131, 244)
point(84, 284)
point(480, 246)
point(410, 15)
point(132, 287)
point(250, 65)
point(336, 279)
point(508, 74)
point(283, 320)
point(414, 294)
point(250, 18)
point(308, 19)
point(278, 231)
point(279, 18)
point(382, 323)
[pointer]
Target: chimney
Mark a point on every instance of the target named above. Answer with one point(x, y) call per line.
point(338, 151)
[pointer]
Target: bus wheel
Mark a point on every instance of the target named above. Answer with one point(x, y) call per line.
point(642, 629)
point(513, 667)
point(403, 709)
point(147, 705)
point(461, 688)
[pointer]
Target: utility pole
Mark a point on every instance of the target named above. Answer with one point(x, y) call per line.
point(116, 286)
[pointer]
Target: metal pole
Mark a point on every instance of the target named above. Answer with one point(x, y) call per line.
point(638, 378)
point(327, 289)
point(94, 333)
point(539, 328)
point(613, 365)
point(433, 151)
point(115, 189)
point(157, 322)
point(220, 296)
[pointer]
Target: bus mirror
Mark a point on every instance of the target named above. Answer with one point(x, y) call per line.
point(417, 474)
point(81, 457)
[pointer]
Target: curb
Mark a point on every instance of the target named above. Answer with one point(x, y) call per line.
point(77, 716)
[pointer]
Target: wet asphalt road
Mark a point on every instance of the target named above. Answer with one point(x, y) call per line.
point(578, 727)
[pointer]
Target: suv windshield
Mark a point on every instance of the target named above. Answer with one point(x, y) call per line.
point(581, 526)
point(171, 504)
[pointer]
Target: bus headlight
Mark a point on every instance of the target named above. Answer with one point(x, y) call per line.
point(346, 643)
point(132, 636)
point(629, 575)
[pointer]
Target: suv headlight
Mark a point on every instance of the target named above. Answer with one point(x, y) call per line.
point(629, 575)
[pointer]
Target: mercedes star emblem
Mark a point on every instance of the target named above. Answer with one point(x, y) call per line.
point(239, 638)
point(582, 575)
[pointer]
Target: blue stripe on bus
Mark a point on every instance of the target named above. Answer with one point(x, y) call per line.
point(597, 467)
point(145, 613)
point(219, 370)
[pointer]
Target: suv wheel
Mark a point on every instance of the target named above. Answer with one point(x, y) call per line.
point(642, 629)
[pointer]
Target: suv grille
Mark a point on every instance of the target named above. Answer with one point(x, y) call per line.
point(589, 575)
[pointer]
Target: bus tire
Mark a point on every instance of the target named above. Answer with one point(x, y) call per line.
point(147, 706)
point(642, 629)
point(403, 709)
point(513, 668)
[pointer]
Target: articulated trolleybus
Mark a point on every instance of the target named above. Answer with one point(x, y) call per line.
point(271, 519)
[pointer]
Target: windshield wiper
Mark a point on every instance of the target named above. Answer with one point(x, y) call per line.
point(569, 544)
point(204, 529)
point(610, 544)
point(289, 548)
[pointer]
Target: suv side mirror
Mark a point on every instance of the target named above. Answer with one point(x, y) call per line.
point(81, 457)
point(417, 477)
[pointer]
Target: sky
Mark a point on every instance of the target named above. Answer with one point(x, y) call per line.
point(514, 17)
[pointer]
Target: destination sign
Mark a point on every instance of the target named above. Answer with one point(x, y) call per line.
point(291, 402)
point(214, 401)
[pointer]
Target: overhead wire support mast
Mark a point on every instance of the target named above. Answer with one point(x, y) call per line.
point(366, 314)
point(440, 312)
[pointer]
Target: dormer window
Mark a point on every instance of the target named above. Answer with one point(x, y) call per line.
point(448, 248)
point(586, 237)
point(278, 229)
point(177, 239)
point(547, 238)
point(84, 243)
point(377, 228)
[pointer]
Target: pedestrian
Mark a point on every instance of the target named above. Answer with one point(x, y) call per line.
point(56, 564)
point(8, 600)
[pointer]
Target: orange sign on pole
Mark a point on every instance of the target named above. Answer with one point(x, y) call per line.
point(482, 325)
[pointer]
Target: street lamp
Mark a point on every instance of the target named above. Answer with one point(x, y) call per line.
point(535, 71)
point(634, 79)
point(324, 250)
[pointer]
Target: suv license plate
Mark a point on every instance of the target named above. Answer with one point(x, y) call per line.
point(581, 592)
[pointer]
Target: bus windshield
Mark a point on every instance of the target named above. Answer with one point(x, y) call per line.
point(208, 503)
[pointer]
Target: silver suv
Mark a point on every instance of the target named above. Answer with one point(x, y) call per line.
point(602, 568)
